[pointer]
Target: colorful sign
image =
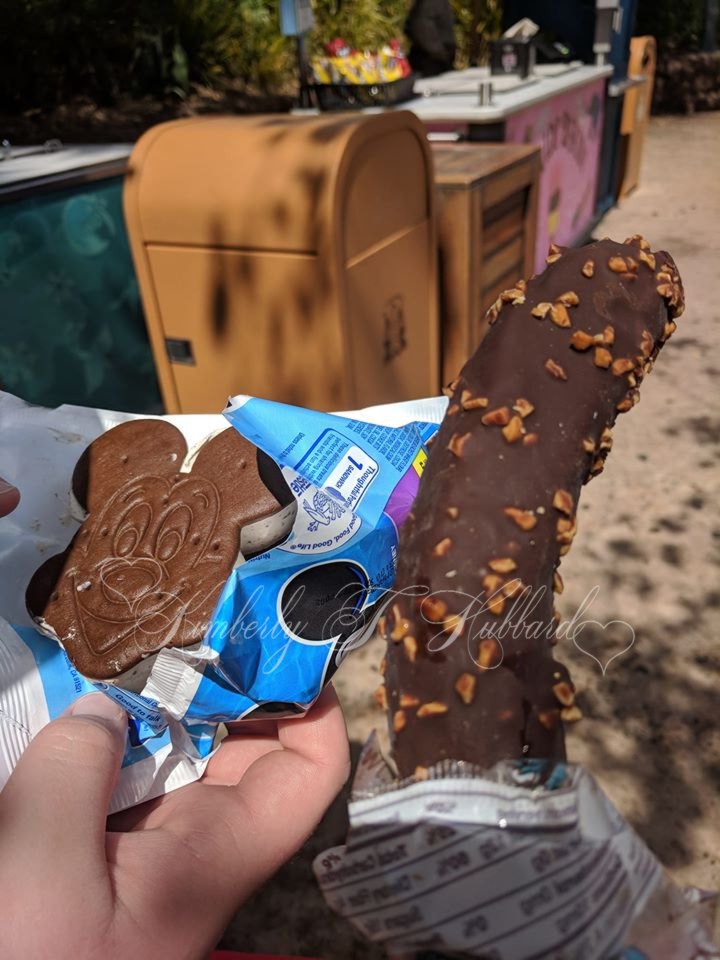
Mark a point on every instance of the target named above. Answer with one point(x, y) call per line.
point(569, 130)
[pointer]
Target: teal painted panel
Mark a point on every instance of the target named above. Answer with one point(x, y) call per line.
point(71, 322)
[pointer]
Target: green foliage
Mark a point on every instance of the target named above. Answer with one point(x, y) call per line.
point(676, 27)
point(365, 24)
point(477, 22)
point(256, 52)
point(58, 49)
point(369, 23)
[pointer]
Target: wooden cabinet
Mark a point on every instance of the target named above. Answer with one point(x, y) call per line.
point(487, 213)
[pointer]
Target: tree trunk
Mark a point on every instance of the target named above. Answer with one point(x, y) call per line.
point(711, 23)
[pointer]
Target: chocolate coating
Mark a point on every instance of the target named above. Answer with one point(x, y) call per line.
point(470, 673)
point(146, 568)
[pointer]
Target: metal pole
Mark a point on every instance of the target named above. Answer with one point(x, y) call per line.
point(305, 97)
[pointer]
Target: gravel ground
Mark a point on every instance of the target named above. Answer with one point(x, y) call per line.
point(649, 541)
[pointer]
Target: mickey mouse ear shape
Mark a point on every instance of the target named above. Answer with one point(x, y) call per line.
point(250, 483)
point(43, 582)
point(272, 476)
point(130, 450)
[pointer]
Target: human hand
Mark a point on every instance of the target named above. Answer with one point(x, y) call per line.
point(163, 879)
point(9, 497)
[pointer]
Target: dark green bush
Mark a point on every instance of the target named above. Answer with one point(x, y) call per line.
point(363, 23)
point(55, 50)
point(477, 22)
point(676, 26)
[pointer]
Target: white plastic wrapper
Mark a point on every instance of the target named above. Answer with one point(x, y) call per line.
point(38, 683)
point(530, 860)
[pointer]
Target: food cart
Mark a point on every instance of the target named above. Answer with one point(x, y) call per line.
point(559, 107)
point(73, 327)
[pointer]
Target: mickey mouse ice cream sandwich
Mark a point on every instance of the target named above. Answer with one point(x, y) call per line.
point(162, 532)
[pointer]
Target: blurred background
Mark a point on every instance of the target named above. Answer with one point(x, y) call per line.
point(106, 71)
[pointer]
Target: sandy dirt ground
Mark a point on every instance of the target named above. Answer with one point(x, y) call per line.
point(649, 541)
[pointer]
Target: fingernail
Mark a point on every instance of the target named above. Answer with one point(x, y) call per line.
point(6, 487)
point(101, 707)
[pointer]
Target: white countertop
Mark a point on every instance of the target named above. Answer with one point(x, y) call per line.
point(454, 96)
point(33, 163)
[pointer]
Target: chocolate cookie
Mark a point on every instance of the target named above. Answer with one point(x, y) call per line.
point(470, 672)
point(147, 566)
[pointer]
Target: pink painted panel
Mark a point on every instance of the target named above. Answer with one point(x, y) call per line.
point(569, 130)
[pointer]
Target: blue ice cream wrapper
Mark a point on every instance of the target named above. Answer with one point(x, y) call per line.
point(287, 617)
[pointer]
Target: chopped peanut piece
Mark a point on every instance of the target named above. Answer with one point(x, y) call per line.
point(541, 310)
point(496, 604)
point(618, 264)
point(451, 624)
point(570, 299)
point(603, 358)
point(465, 687)
point(555, 369)
point(442, 548)
point(564, 693)
point(621, 366)
point(647, 258)
point(475, 403)
point(433, 609)
point(560, 316)
point(456, 446)
point(523, 407)
point(571, 714)
point(581, 340)
point(492, 583)
point(549, 718)
point(410, 644)
point(514, 430)
point(433, 709)
point(408, 700)
point(513, 588)
point(525, 519)
point(499, 417)
point(401, 625)
point(564, 502)
point(489, 653)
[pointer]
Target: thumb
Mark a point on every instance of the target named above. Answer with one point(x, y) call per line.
point(53, 807)
point(9, 497)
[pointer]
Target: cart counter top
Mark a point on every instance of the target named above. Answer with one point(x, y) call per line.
point(454, 96)
point(25, 170)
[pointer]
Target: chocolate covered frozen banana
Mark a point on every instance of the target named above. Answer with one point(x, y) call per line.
point(470, 673)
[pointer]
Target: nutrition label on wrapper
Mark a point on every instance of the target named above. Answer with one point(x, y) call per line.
point(491, 870)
